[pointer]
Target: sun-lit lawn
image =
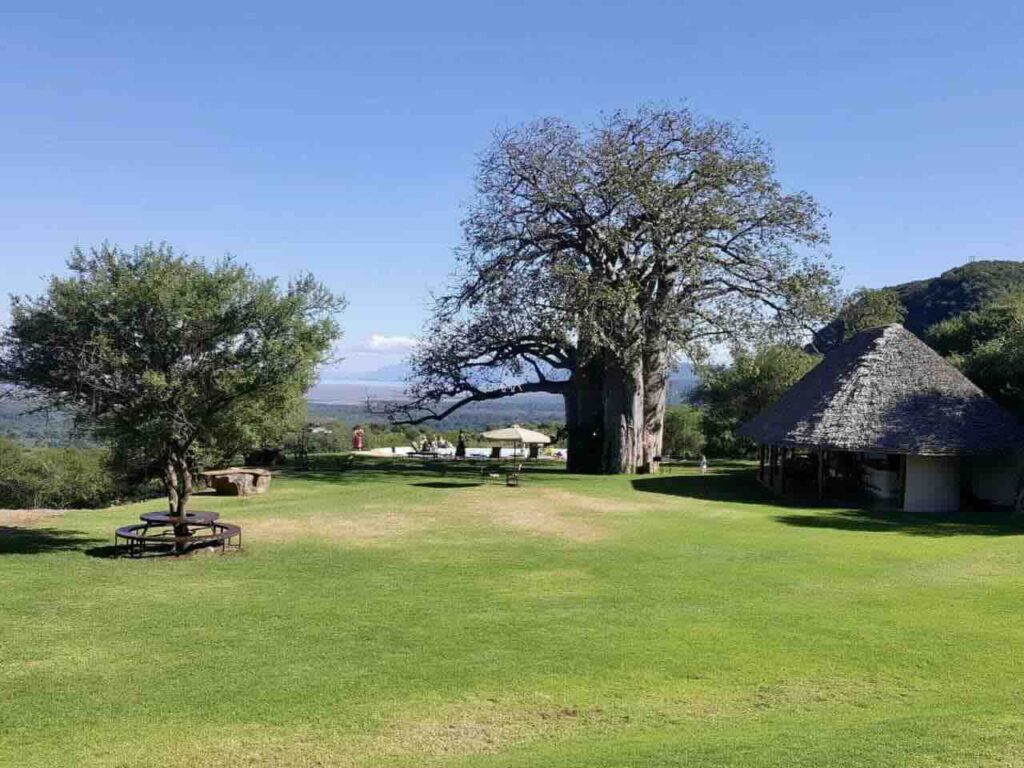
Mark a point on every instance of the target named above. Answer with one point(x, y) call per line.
point(401, 617)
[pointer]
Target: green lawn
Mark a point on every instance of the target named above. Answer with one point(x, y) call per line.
point(401, 618)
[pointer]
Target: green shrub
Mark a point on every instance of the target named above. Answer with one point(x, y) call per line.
point(683, 437)
point(56, 478)
point(733, 393)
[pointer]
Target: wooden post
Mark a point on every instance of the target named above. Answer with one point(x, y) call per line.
point(903, 481)
point(821, 475)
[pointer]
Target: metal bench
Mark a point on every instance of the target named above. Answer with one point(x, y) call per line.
point(139, 537)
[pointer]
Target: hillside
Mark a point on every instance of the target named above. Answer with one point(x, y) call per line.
point(956, 290)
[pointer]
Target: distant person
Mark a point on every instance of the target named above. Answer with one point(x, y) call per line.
point(358, 438)
point(703, 464)
point(460, 447)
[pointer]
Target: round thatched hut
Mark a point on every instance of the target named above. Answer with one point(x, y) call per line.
point(886, 415)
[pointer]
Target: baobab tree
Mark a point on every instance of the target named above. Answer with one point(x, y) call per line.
point(651, 233)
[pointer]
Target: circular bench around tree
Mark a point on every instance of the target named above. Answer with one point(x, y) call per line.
point(160, 537)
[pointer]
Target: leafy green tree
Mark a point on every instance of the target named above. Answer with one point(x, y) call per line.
point(735, 392)
point(988, 346)
point(683, 433)
point(168, 358)
point(870, 308)
point(328, 436)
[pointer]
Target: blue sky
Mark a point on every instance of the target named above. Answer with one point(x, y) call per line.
point(341, 138)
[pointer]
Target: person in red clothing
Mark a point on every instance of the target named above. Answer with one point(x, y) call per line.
point(358, 436)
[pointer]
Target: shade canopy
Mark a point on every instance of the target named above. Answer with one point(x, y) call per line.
point(886, 390)
point(516, 434)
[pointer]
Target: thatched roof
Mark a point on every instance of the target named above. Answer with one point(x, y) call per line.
point(886, 390)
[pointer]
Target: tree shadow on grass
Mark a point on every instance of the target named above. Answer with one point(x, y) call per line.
point(740, 486)
point(444, 484)
point(966, 523)
point(106, 552)
point(35, 541)
point(736, 485)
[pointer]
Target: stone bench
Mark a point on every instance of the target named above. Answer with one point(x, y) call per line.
point(238, 481)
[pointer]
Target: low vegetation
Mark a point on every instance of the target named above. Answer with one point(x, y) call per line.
point(683, 437)
point(868, 308)
point(988, 346)
point(57, 477)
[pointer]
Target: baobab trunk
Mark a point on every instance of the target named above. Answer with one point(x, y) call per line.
point(583, 419)
point(656, 370)
point(623, 415)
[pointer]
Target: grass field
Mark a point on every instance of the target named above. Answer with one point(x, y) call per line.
point(393, 616)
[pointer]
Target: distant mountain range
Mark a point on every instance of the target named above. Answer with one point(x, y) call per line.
point(396, 373)
point(343, 391)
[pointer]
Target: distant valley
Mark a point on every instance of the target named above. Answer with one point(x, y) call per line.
point(345, 398)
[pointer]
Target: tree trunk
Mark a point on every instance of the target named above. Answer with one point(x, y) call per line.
point(185, 492)
point(178, 484)
point(623, 416)
point(171, 486)
point(583, 419)
point(656, 360)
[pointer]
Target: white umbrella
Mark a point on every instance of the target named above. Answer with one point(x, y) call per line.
point(516, 435)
